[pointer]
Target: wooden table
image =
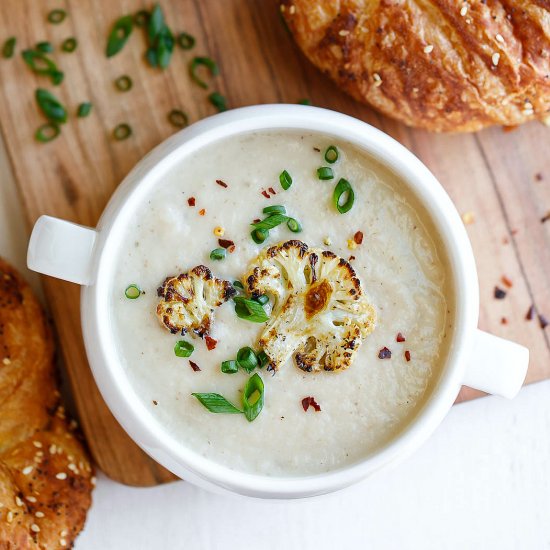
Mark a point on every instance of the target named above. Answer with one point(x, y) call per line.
point(501, 178)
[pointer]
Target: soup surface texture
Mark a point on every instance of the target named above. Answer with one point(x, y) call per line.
point(399, 263)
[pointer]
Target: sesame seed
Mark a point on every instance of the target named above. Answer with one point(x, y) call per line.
point(18, 501)
point(93, 480)
point(6, 361)
point(292, 10)
point(343, 32)
point(26, 471)
point(283, 8)
point(64, 533)
point(73, 467)
point(35, 528)
point(377, 80)
point(39, 514)
point(495, 58)
point(9, 516)
point(70, 458)
point(429, 48)
point(61, 475)
point(31, 498)
point(499, 38)
point(37, 444)
point(62, 542)
point(463, 10)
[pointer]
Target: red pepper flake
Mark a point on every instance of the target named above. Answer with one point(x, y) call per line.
point(272, 191)
point(222, 183)
point(191, 201)
point(399, 337)
point(546, 217)
point(543, 321)
point(506, 282)
point(539, 176)
point(514, 231)
point(265, 194)
point(256, 220)
point(202, 211)
point(225, 243)
point(407, 355)
point(351, 258)
point(310, 402)
point(504, 321)
point(358, 237)
point(155, 402)
point(231, 249)
point(194, 366)
point(384, 353)
point(210, 343)
point(499, 293)
point(530, 313)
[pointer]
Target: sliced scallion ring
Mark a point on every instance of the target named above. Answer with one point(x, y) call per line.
point(253, 397)
point(186, 41)
point(84, 109)
point(57, 16)
point(132, 292)
point(9, 47)
point(275, 209)
point(331, 154)
point(271, 221)
point(69, 45)
point(123, 83)
point(183, 349)
point(57, 77)
point(178, 118)
point(285, 179)
point(218, 254)
point(325, 173)
point(122, 132)
point(263, 359)
point(119, 35)
point(294, 225)
point(250, 310)
point(219, 101)
point(50, 106)
point(259, 235)
point(343, 196)
point(197, 62)
point(44, 47)
point(229, 367)
point(47, 132)
point(246, 359)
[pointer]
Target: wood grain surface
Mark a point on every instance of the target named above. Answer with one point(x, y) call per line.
point(502, 178)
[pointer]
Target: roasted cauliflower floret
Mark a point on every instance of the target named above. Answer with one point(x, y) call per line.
point(319, 312)
point(188, 301)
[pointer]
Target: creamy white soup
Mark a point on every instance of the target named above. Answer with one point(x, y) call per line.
point(399, 263)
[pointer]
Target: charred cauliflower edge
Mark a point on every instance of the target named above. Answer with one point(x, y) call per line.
point(320, 315)
point(188, 301)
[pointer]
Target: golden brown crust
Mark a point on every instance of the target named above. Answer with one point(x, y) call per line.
point(45, 474)
point(443, 65)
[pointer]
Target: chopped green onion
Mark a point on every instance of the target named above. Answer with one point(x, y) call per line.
point(285, 179)
point(263, 359)
point(178, 118)
point(294, 225)
point(39, 63)
point(183, 349)
point(160, 38)
point(197, 62)
point(219, 101)
point(216, 403)
point(47, 132)
point(253, 397)
point(343, 196)
point(84, 109)
point(246, 359)
point(186, 41)
point(57, 16)
point(122, 131)
point(238, 284)
point(304, 101)
point(218, 254)
point(325, 173)
point(141, 18)
point(9, 47)
point(229, 367)
point(132, 292)
point(331, 154)
point(250, 310)
point(50, 106)
point(119, 35)
point(271, 221)
point(262, 300)
point(259, 235)
point(44, 47)
point(275, 209)
point(69, 45)
point(123, 83)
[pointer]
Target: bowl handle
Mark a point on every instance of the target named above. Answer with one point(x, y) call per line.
point(62, 249)
point(497, 366)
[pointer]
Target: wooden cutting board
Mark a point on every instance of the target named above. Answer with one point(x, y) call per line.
point(501, 178)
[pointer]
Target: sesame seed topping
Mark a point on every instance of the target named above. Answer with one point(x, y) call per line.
point(463, 10)
point(73, 467)
point(18, 501)
point(39, 514)
point(26, 471)
point(31, 498)
point(283, 8)
point(35, 528)
point(377, 80)
point(53, 449)
point(64, 533)
point(37, 444)
point(62, 542)
point(292, 10)
point(343, 32)
point(495, 58)
point(6, 361)
point(61, 475)
point(93, 480)
point(9, 516)
point(499, 38)
point(429, 48)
